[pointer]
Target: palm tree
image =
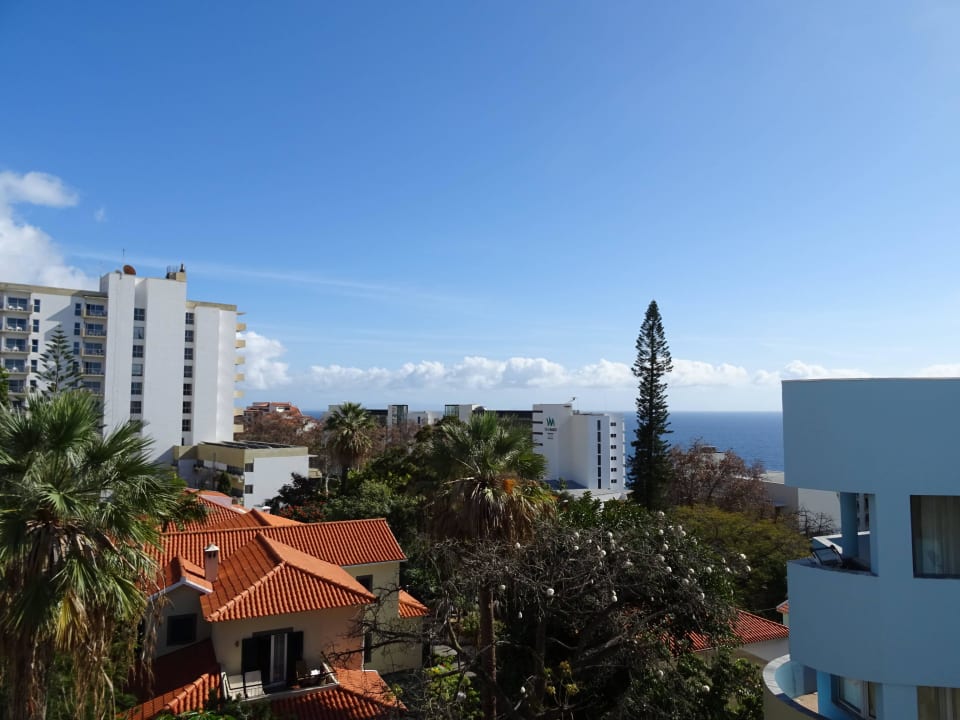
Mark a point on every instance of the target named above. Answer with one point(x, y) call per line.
point(78, 514)
point(350, 429)
point(491, 492)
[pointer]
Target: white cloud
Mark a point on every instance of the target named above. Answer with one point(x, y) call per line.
point(27, 254)
point(687, 373)
point(943, 370)
point(262, 369)
point(100, 215)
point(799, 370)
point(481, 373)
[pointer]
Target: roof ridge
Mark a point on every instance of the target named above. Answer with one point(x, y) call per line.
point(259, 528)
point(300, 567)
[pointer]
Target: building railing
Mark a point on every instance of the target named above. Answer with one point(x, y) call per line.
point(307, 677)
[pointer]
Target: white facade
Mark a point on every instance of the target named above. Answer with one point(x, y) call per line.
point(876, 626)
point(150, 353)
point(583, 449)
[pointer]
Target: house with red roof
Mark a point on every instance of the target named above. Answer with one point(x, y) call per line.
point(259, 607)
point(757, 639)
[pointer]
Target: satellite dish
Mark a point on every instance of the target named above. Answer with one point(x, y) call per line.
point(129, 270)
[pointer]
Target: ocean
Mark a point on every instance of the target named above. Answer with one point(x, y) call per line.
point(751, 435)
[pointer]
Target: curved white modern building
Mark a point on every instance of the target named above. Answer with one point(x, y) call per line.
point(874, 626)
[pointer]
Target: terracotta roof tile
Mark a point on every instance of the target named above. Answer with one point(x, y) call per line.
point(266, 577)
point(410, 607)
point(179, 569)
point(217, 513)
point(784, 607)
point(747, 628)
point(349, 542)
point(361, 695)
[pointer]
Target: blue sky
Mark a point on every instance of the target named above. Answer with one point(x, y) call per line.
point(474, 202)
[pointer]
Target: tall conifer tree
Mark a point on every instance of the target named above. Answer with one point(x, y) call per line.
point(61, 370)
point(650, 469)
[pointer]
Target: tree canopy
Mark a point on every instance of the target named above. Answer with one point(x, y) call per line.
point(77, 513)
point(60, 367)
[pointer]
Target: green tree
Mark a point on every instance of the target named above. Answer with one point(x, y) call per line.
point(491, 492)
point(350, 430)
point(650, 471)
point(766, 545)
point(78, 514)
point(61, 370)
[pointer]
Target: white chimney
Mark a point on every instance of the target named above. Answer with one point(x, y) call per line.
point(211, 562)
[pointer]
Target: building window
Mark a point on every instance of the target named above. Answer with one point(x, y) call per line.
point(138, 333)
point(189, 318)
point(187, 407)
point(76, 328)
point(76, 348)
point(36, 305)
point(136, 407)
point(138, 351)
point(188, 371)
point(613, 435)
point(366, 581)
point(34, 366)
point(856, 696)
point(14, 303)
point(188, 353)
point(188, 336)
point(367, 646)
point(248, 467)
point(187, 389)
point(35, 346)
point(936, 535)
point(938, 703)
point(136, 388)
point(185, 425)
point(137, 370)
point(78, 309)
point(95, 310)
point(139, 314)
point(36, 326)
point(182, 629)
point(248, 489)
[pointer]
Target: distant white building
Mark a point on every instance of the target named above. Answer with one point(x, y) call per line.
point(583, 449)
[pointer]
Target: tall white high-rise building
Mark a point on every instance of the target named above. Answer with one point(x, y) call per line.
point(144, 348)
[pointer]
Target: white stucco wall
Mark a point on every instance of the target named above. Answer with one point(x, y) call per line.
point(269, 474)
point(893, 438)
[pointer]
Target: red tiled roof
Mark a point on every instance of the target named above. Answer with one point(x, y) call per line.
point(252, 519)
point(216, 512)
point(361, 695)
point(266, 577)
point(349, 542)
point(784, 607)
point(179, 569)
point(410, 607)
point(182, 682)
point(747, 628)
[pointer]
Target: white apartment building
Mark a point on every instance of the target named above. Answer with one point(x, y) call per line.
point(144, 348)
point(873, 613)
point(583, 449)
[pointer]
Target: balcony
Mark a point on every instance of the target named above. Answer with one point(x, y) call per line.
point(95, 313)
point(789, 691)
point(92, 352)
point(240, 344)
point(20, 369)
point(20, 329)
point(17, 387)
point(239, 360)
point(93, 370)
point(19, 349)
point(239, 377)
point(24, 309)
point(241, 326)
point(94, 331)
point(307, 677)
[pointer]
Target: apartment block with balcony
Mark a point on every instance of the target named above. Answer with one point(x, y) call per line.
point(873, 610)
point(146, 350)
point(584, 449)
